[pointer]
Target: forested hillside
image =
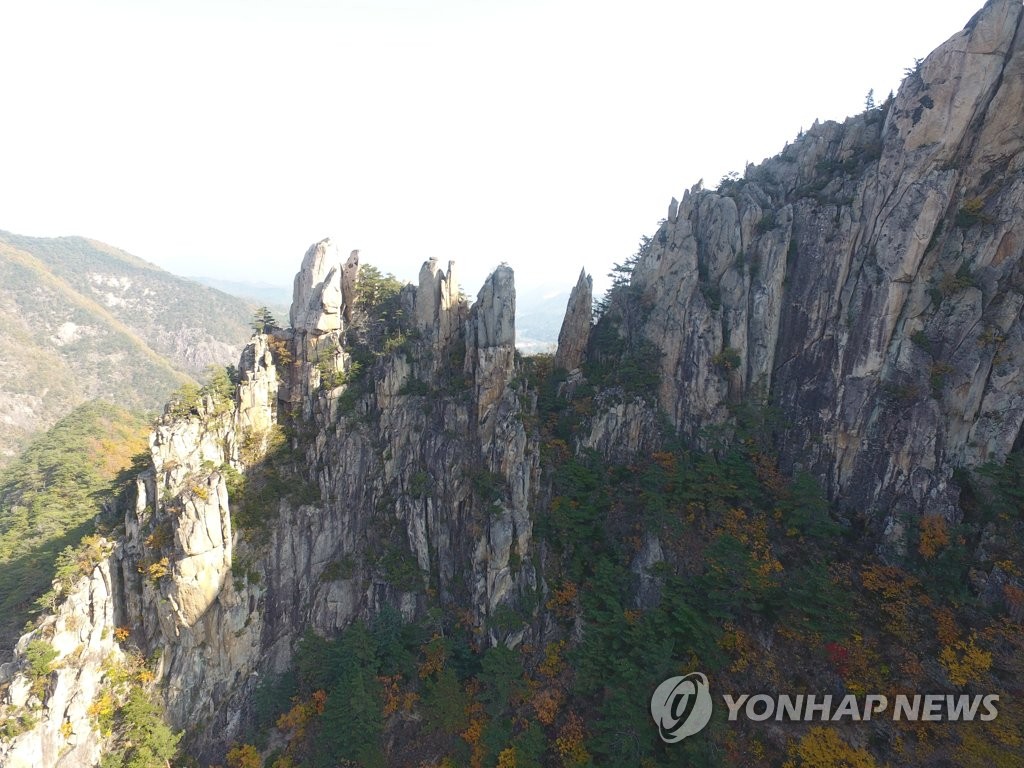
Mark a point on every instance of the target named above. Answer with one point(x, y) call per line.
point(82, 320)
point(50, 497)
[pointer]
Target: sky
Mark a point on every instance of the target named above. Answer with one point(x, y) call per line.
point(223, 137)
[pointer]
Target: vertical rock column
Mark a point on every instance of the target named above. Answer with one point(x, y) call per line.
point(323, 297)
point(491, 344)
point(572, 338)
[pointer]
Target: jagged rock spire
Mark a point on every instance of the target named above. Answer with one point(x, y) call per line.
point(317, 296)
point(491, 340)
point(436, 301)
point(572, 338)
point(349, 275)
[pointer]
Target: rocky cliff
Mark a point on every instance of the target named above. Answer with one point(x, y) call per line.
point(867, 281)
point(386, 450)
point(359, 491)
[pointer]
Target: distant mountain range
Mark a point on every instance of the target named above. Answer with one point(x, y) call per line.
point(83, 320)
point(539, 315)
point(277, 298)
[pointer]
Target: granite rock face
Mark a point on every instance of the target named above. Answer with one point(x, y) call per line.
point(867, 281)
point(575, 331)
point(411, 468)
point(80, 631)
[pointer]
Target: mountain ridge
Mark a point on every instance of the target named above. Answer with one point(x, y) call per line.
point(786, 454)
point(69, 306)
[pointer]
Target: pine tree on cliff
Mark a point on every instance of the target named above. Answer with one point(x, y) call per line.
point(262, 319)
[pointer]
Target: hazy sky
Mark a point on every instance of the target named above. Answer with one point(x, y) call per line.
point(222, 138)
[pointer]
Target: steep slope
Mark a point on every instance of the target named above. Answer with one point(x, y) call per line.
point(191, 325)
point(356, 489)
point(867, 281)
point(398, 543)
point(49, 497)
point(83, 320)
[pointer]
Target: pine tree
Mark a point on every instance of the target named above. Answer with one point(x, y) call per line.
point(352, 720)
point(263, 320)
point(151, 742)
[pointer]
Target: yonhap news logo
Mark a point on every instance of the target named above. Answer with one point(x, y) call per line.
point(681, 706)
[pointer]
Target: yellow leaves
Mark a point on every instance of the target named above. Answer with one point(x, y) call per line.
point(472, 736)
point(66, 729)
point(898, 590)
point(160, 537)
point(737, 644)
point(766, 467)
point(570, 743)
point(477, 721)
point(156, 570)
point(507, 758)
point(861, 668)
point(754, 534)
point(945, 626)
point(394, 698)
point(997, 743)
point(553, 663)
point(121, 634)
point(824, 748)
point(102, 711)
point(974, 749)
point(934, 536)
point(296, 719)
point(547, 703)
point(666, 460)
point(279, 351)
point(890, 581)
point(244, 756)
point(319, 701)
point(965, 662)
point(558, 450)
point(1009, 567)
point(434, 655)
point(390, 688)
point(563, 601)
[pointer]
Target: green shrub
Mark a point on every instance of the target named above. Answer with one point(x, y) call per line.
point(419, 484)
point(415, 387)
point(40, 655)
point(920, 339)
point(342, 568)
point(951, 284)
point(727, 360)
point(767, 223)
point(937, 373)
point(972, 212)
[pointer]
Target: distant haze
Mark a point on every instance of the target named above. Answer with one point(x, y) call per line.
point(221, 138)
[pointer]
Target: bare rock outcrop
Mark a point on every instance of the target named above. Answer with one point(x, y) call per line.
point(866, 282)
point(575, 331)
point(440, 310)
point(491, 339)
point(80, 632)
